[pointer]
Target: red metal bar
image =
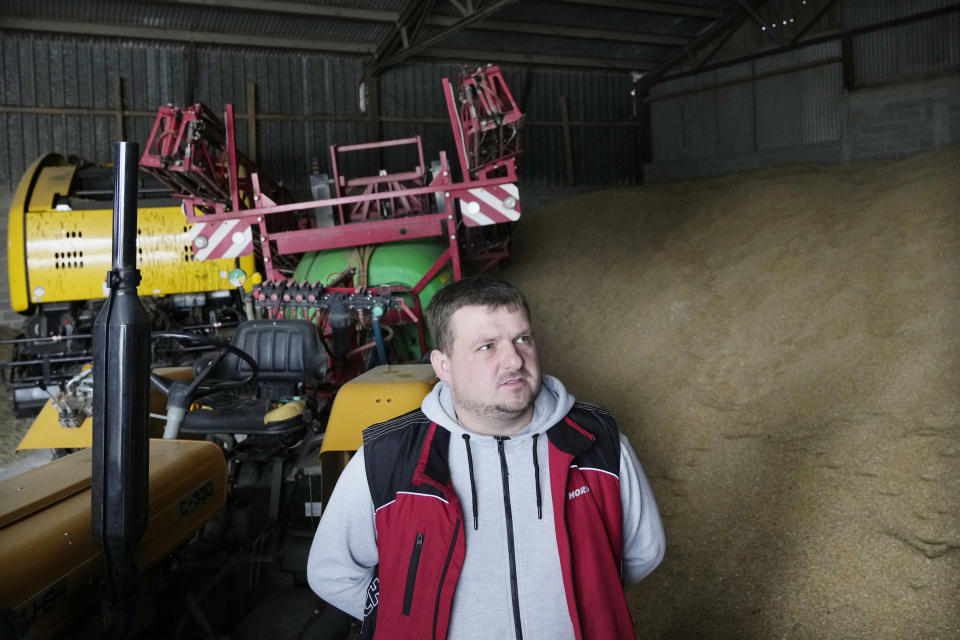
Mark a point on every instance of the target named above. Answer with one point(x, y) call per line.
point(187, 117)
point(366, 146)
point(361, 210)
point(446, 188)
point(232, 155)
point(147, 156)
point(271, 271)
point(335, 170)
point(514, 114)
point(434, 270)
point(457, 128)
point(421, 334)
point(422, 166)
point(454, 247)
point(406, 309)
point(387, 177)
point(360, 233)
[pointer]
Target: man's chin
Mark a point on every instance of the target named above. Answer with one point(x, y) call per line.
point(506, 413)
point(516, 407)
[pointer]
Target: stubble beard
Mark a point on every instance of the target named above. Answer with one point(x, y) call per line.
point(500, 411)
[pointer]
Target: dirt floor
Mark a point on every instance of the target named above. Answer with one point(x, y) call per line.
point(783, 349)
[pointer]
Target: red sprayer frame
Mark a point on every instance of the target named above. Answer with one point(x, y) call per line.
point(234, 210)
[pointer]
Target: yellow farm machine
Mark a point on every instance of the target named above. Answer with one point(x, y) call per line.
point(58, 250)
point(203, 459)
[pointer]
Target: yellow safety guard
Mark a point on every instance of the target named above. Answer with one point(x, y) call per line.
point(378, 395)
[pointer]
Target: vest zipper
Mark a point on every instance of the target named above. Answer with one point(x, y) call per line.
point(443, 575)
point(578, 630)
point(412, 574)
point(514, 590)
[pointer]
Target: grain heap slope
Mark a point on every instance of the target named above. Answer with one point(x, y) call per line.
point(783, 349)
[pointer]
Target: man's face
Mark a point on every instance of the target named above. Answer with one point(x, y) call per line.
point(492, 366)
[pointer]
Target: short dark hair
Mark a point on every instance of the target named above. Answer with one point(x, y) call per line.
point(482, 291)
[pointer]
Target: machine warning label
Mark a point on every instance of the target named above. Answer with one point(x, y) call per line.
point(196, 498)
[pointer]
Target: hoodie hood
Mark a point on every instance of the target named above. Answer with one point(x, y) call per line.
point(550, 406)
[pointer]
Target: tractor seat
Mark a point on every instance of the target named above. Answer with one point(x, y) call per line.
point(289, 356)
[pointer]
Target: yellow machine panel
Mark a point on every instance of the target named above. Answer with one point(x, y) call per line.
point(49, 558)
point(16, 244)
point(378, 395)
point(58, 253)
point(69, 254)
point(52, 181)
point(47, 432)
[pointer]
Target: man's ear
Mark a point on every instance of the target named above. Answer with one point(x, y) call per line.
point(441, 364)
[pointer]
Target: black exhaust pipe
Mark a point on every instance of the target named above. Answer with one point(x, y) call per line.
point(121, 383)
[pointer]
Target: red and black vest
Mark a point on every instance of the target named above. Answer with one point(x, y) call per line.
point(421, 542)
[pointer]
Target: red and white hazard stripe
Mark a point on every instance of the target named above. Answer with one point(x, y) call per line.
point(227, 239)
point(490, 205)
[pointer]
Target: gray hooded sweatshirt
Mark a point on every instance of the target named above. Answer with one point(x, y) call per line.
point(344, 551)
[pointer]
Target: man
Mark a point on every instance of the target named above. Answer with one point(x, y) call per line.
point(501, 508)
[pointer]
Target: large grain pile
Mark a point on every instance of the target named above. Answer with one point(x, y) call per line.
point(783, 349)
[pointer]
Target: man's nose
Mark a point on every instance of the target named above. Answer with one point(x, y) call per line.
point(511, 357)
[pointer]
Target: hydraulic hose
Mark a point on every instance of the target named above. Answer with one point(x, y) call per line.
point(378, 335)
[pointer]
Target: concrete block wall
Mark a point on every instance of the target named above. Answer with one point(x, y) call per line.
point(901, 119)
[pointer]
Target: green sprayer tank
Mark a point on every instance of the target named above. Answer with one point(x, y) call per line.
point(395, 263)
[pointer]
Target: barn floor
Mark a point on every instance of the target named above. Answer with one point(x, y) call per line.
point(783, 349)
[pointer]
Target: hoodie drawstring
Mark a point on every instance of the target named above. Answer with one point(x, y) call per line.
point(536, 477)
point(473, 484)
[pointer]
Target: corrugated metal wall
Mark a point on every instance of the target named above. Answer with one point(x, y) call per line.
point(793, 101)
point(602, 154)
point(304, 103)
point(917, 48)
point(599, 105)
point(801, 107)
point(67, 72)
point(301, 86)
point(724, 112)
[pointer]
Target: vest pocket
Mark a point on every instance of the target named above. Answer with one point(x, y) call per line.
point(412, 574)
